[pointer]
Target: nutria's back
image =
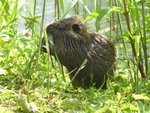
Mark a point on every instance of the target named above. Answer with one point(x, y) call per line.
point(73, 44)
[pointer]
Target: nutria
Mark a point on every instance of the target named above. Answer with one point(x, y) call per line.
point(73, 44)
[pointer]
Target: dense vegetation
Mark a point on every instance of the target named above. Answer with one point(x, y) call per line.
point(32, 81)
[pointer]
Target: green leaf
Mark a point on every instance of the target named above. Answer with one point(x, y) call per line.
point(102, 13)
point(123, 36)
point(83, 64)
point(33, 19)
point(6, 6)
point(5, 95)
point(129, 106)
point(8, 111)
point(140, 97)
point(23, 104)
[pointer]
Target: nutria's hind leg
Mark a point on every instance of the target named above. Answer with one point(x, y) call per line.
point(100, 82)
point(81, 80)
point(102, 85)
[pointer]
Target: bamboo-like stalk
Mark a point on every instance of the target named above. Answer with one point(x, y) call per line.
point(41, 30)
point(121, 32)
point(98, 7)
point(110, 22)
point(34, 11)
point(119, 18)
point(144, 37)
point(57, 7)
point(113, 18)
point(139, 65)
point(137, 20)
point(48, 64)
point(62, 6)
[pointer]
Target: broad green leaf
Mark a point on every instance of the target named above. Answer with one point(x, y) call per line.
point(102, 13)
point(129, 106)
point(140, 97)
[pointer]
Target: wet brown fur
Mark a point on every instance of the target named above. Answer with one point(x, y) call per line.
point(73, 44)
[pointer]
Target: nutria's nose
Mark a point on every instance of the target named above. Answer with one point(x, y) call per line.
point(49, 28)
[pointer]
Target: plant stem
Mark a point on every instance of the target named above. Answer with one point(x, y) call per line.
point(97, 8)
point(41, 30)
point(34, 8)
point(139, 65)
point(34, 15)
point(57, 12)
point(144, 41)
point(110, 23)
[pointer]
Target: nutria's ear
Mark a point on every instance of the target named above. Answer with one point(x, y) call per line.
point(76, 28)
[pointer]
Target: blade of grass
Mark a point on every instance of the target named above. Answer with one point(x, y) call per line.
point(76, 9)
point(62, 6)
point(41, 30)
point(48, 64)
point(85, 6)
point(73, 3)
point(80, 68)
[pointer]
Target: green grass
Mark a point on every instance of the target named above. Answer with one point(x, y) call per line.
point(33, 82)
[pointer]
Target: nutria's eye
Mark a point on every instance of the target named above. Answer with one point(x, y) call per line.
point(76, 27)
